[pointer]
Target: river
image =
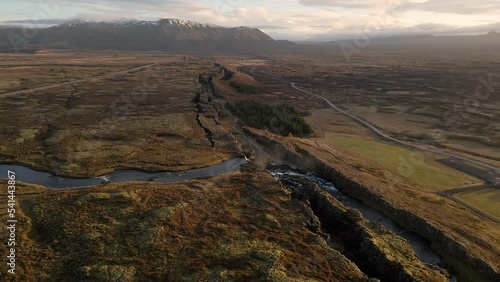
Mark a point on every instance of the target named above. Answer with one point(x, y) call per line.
point(27, 175)
point(419, 244)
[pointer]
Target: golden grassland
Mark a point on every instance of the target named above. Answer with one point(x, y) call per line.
point(479, 235)
point(191, 230)
point(390, 109)
point(241, 226)
point(405, 95)
point(486, 200)
point(23, 71)
point(236, 227)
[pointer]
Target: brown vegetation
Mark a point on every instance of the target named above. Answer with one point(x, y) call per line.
point(236, 227)
point(144, 119)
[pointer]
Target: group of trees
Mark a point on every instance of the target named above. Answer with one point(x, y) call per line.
point(280, 119)
point(244, 88)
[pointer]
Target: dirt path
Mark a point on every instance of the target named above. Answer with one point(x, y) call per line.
point(45, 87)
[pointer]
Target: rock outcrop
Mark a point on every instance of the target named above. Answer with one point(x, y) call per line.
point(469, 267)
point(376, 250)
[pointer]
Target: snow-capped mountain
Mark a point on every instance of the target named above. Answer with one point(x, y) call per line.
point(165, 34)
point(128, 23)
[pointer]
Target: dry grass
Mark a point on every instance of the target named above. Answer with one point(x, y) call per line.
point(144, 120)
point(407, 96)
point(236, 227)
point(479, 235)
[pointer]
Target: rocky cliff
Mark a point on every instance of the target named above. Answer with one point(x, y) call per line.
point(377, 251)
point(468, 266)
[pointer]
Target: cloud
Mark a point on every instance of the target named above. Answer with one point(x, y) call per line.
point(419, 29)
point(32, 23)
point(463, 7)
point(351, 4)
point(298, 19)
point(273, 27)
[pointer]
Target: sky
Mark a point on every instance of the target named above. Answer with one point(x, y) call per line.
point(282, 19)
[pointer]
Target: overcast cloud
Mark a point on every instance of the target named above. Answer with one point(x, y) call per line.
point(282, 19)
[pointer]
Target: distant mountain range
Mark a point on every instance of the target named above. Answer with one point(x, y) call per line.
point(491, 38)
point(165, 34)
point(177, 35)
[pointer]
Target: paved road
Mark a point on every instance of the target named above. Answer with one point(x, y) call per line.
point(45, 87)
point(383, 135)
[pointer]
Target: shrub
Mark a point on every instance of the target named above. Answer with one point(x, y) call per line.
point(244, 88)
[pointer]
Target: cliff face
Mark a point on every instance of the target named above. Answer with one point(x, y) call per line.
point(468, 266)
point(377, 251)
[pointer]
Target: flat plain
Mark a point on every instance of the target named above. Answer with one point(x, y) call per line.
point(424, 97)
point(84, 114)
point(91, 125)
point(449, 101)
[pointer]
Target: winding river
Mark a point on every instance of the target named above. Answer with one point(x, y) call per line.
point(27, 175)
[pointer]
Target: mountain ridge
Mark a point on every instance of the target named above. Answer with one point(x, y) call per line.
point(129, 22)
point(166, 34)
point(185, 36)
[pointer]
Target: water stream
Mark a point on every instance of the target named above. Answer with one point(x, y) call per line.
point(27, 175)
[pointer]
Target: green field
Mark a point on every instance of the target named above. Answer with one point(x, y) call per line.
point(416, 166)
point(486, 200)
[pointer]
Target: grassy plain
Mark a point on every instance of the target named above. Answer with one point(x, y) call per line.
point(413, 95)
point(425, 96)
point(22, 71)
point(418, 167)
point(237, 227)
point(486, 200)
point(142, 119)
point(146, 119)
